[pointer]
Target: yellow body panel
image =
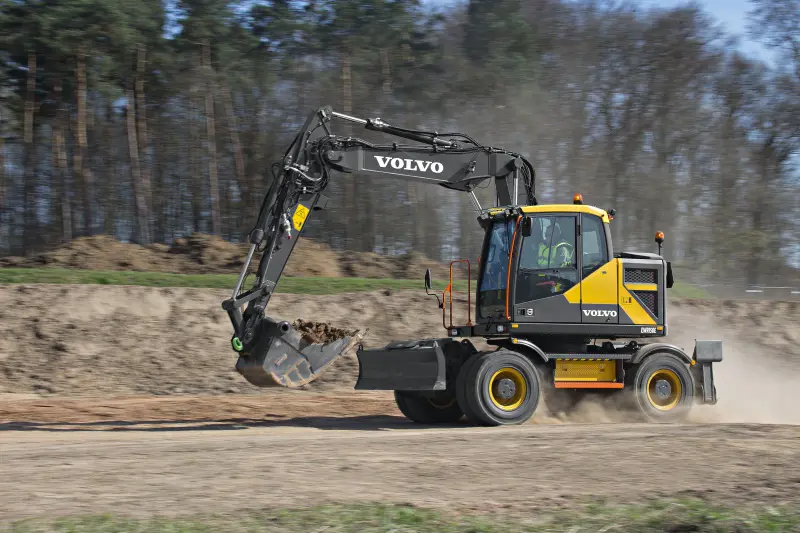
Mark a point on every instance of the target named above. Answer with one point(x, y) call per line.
point(571, 370)
point(641, 286)
point(598, 288)
point(629, 305)
point(562, 208)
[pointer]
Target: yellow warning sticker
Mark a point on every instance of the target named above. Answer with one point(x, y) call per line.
point(299, 217)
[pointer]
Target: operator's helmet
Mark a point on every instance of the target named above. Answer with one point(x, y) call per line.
point(553, 233)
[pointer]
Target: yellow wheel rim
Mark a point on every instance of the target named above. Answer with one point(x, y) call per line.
point(664, 397)
point(507, 389)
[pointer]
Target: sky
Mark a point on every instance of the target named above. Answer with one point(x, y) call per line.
point(732, 14)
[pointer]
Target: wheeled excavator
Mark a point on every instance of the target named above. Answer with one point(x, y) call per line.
point(563, 313)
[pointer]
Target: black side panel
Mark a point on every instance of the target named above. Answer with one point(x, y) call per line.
point(552, 309)
point(405, 366)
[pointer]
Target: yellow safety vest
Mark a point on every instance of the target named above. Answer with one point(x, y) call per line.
point(544, 259)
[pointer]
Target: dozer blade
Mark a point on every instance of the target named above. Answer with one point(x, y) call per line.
point(278, 355)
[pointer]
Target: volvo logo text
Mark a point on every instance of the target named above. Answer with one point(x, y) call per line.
point(409, 164)
point(597, 312)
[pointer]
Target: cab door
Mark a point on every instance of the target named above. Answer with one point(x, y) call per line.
point(599, 274)
point(543, 276)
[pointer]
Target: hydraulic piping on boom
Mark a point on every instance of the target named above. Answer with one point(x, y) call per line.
point(272, 353)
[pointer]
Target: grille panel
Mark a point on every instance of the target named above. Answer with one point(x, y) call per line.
point(649, 300)
point(640, 275)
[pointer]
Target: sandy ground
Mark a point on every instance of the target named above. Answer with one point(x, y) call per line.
point(272, 452)
point(125, 400)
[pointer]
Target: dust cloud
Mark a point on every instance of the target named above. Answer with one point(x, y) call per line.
point(757, 382)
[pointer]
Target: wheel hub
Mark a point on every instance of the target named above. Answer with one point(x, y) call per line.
point(506, 389)
point(663, 389)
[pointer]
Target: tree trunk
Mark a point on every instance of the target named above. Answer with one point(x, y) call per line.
point(160, 197)
point(758, 210)
point(29, 188)
point(142, 216)
point(4, 228)
point(64, 214)
point(195, 184)
point(141, 123)
point(348, 180)
point(2, 172)
point(213, 181)
point(109, 163)
point(386, 71)
point(83, 169)
point(242, 182)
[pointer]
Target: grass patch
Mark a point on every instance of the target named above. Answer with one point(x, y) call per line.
point(686, 291)
point(210, 281)
point(654, 517)
point(287, 284)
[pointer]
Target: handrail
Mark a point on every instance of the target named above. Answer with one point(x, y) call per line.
point(449, 289)
point(510, 257)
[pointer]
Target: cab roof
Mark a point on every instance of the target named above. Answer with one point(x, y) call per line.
point(560, 208)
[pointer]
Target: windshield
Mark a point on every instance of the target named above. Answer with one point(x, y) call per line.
point(492, 291)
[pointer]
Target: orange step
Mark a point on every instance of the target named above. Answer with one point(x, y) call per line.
point(588, 385)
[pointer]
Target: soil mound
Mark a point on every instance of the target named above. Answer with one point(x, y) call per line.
point(99, 252)
point(76, 340)
point(200, 253)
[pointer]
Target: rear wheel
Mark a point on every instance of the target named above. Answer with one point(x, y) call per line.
point(441, 408)
point(498, 388)
point(663, 388)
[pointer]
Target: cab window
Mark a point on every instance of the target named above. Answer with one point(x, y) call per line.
point(595, 252)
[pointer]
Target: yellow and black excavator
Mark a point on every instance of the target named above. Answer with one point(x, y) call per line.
point(566, 315)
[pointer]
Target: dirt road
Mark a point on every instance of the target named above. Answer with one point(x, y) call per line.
point(181, 456)
point(125, 399)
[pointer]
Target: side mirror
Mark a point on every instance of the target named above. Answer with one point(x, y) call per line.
point(428, 287)
point(527, 227)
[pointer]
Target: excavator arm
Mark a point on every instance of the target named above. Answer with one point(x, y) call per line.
point(271, 352)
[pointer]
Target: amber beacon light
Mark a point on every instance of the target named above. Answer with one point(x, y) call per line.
point(659, 240)
point(577, 199)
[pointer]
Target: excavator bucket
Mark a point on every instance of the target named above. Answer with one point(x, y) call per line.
point(277, 355)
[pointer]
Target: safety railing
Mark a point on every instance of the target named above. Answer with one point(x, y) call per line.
point(449, 290)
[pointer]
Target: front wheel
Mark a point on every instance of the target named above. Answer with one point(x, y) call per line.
point(663, 388)
point(439, 409)
point(498, 388)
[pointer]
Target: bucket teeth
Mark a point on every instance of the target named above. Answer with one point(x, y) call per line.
point(286, 360)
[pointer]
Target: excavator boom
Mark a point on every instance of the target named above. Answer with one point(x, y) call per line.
point(271, 352)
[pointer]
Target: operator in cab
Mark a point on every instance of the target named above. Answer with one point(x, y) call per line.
point(554, 251)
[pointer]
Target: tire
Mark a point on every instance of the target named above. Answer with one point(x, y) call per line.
point(442, 409)
point(662, 388)
point(500, 388)
point(461, 388)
